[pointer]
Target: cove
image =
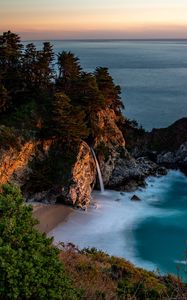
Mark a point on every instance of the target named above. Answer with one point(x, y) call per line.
point(151, 233)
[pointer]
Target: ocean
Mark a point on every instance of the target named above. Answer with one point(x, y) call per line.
point(150, 233)
point(152, 75)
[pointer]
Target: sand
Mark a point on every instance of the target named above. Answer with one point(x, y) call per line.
point(50, 215)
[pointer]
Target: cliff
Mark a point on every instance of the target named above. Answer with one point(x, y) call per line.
point(165, 146)
point(120, 169)
point(83, 174)
point(15, 162)
point(51, 171)
point(46, 172)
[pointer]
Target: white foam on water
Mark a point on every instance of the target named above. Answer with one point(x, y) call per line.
point(181, 262)
point(110, 226)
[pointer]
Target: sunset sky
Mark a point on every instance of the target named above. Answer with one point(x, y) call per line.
point(71, 19)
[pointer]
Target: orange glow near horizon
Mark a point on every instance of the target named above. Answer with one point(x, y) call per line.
point(102, 19)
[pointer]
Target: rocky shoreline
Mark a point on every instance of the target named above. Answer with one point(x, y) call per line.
point(123, 168)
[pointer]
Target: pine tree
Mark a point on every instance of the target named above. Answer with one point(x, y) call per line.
point(44, 65)
point(10, 61)
point(110, 91)
point(69, 70)
point(68, 121)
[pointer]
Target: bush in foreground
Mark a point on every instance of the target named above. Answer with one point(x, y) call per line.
point(29, 263)
point(105, 277)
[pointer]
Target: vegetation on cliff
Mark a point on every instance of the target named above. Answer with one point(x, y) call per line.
point(47, 97)
point(51, 100)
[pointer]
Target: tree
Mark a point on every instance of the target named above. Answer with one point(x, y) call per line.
point(30, 65)
point(29, 263)
point(10, 50)
point(37, 66)
point(69, 70)
point(45, 69)
point(85, 92)
point(68, 121)
point(110, 91)
point(4, 99)
point(10, 61)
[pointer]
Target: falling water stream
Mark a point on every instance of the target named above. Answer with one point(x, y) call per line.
point(98, 171)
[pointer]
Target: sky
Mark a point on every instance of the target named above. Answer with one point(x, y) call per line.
point(94, 19)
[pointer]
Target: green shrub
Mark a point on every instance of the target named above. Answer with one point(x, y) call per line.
point(29, 264)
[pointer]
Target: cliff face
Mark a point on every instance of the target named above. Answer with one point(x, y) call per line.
point(110, 134)
point(82, 178)
point(14, 163)
point(18, 165)
point(175, 159)
point(120, 170)
point(50, 171)
point(165, 146)
point(109, 143)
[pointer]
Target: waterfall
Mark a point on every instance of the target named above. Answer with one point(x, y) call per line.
point(98, 171)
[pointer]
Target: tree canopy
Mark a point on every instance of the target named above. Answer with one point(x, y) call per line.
point(29, 264)
point(66, 98)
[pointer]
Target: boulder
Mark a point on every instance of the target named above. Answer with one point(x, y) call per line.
point(135, 198)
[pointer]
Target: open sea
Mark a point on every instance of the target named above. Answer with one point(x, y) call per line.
point(152, 75)
point(151, 233)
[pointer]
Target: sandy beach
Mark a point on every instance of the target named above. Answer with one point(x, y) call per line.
point(49, 216)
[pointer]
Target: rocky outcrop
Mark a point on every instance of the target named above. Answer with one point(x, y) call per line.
point(15, 163)
point(82, 178)
point(135, 198)
point(109, 143)
point(46, 173)
point(108, 132)
point(175, 159)
point(129, 173)
point(18, 166)
point(120, 170)
point(169, 139)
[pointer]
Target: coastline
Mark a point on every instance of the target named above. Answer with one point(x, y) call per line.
point(115, 227)
point(50, 215)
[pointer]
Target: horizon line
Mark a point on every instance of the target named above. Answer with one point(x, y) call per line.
point(106, 39)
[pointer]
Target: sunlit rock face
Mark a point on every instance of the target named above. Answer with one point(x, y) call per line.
point(15, 162)
point(72, 181)
point(18, 164)
point(108, 131)
point(82, 178)
point(120, 170)
point(109, 142)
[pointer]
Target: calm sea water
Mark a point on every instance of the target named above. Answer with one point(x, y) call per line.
point(151, 233)
point(152, 75)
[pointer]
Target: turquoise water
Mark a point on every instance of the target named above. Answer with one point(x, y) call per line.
point(152, 75)
point(151, 233)
point(162, 239)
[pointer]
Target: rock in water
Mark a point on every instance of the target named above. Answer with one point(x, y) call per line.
point(135, 198)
